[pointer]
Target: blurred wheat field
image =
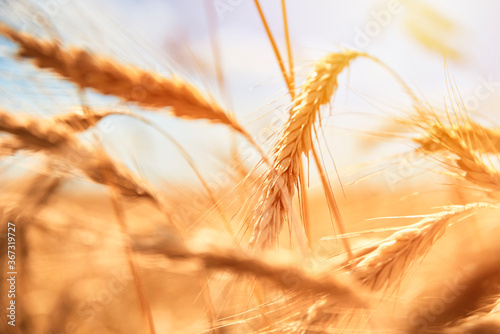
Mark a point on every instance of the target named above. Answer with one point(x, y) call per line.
point(249, 167)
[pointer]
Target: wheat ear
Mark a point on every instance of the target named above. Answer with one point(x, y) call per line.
point(58, 141)
point(470, 162)
point(477, 137)
point(129, 83)
point(56, 138)
point(74, 122)
point(216, 256)
point(296, 139)
point(108, 77)
point(392, 257)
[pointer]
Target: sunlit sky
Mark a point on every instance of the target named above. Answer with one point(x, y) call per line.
point(173, 36)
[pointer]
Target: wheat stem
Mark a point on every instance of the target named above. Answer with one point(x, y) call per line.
point(289, 50)
point(306, 216)
point(134, 269)
point(332, 203)
point(275, 48)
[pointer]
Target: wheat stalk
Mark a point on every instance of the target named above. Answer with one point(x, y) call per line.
point(296, 139)
point(392, 257)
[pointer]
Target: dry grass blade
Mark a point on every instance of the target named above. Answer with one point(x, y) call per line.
point(108, 77)
point(295, 140)
point(388, 262)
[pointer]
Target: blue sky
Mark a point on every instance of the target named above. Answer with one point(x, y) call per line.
point(173, 37)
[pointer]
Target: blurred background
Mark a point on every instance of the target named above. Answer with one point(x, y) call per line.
point(443, 49)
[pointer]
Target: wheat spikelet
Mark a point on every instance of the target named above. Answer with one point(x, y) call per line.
point(388, 262)
point(296, 139)
point(132, 84)
point(433, 30)
point(475, 285)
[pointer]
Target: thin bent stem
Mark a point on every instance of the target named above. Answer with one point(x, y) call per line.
point(305, 205)
point(136, 274)
point(289, 49)
point(275, 47)
point(332, 203)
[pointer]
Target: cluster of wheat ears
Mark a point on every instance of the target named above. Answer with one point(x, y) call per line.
point(357, 289)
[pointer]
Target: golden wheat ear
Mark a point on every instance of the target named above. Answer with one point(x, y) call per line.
point(387, 262)
point(58, 141)
point(213, 255)
point(465, 145)
point(60, 125)
point(295, 140)
point(478, 137)
point(129, 83)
